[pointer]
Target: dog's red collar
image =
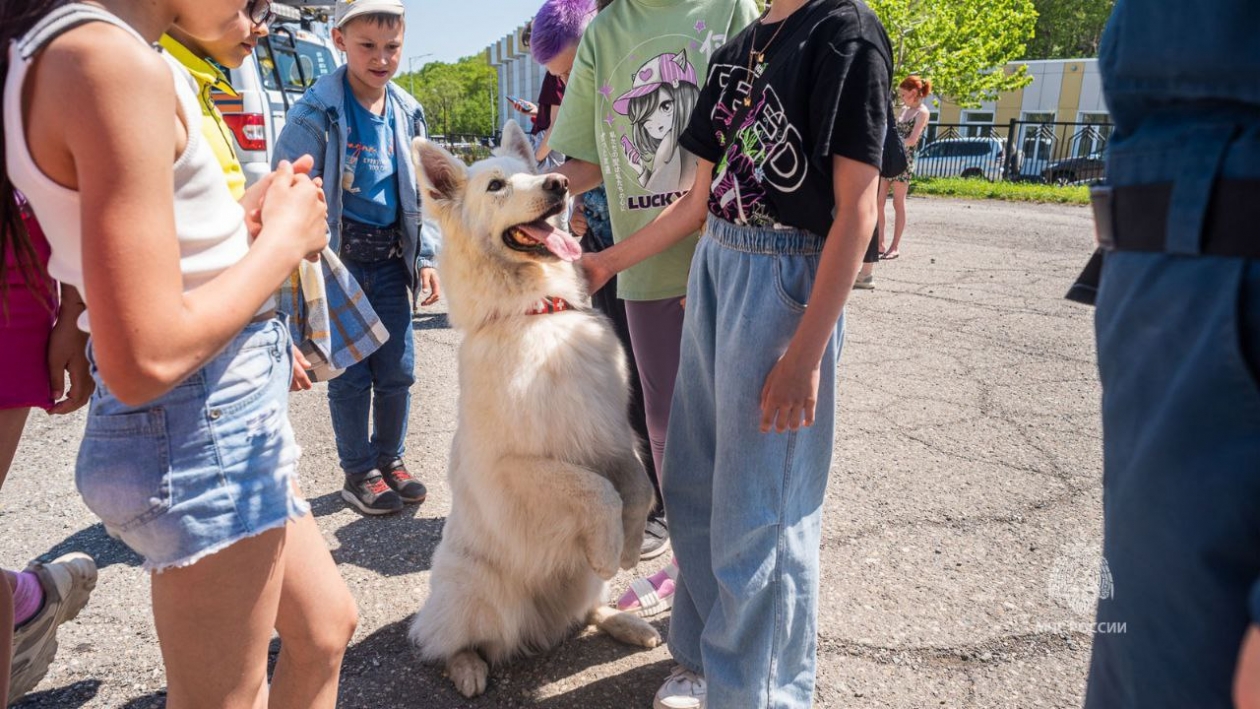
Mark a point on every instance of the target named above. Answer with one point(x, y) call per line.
point(549, 304)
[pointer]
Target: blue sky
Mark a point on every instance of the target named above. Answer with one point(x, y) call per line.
point(451, 29)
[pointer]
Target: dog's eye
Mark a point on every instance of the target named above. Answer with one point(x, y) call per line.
point(495, 186)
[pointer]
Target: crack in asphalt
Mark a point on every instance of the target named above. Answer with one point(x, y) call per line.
point(1003, 649)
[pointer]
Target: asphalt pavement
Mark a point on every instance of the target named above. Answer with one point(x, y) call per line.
point(961, 530)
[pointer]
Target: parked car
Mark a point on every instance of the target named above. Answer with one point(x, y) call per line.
point(298, 51)
point(1088, 168)
point(962, 157)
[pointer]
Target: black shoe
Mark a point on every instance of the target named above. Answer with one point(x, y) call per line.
point(655, 539)
point(371, 494)
point(401, 482)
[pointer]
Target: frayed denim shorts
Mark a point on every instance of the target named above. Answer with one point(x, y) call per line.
point(205, 465)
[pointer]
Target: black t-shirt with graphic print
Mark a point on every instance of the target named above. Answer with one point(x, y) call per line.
point(823, 91)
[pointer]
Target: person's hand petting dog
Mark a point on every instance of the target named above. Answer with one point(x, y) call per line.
point(597, 274)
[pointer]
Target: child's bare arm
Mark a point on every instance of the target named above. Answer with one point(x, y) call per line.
point(149, 334)
point(583, 176)
point(791, 389)
point(685, 216)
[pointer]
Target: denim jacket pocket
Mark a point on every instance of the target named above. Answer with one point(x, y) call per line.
point(123, 469)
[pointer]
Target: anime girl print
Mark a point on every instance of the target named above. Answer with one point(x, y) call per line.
point(659, 104)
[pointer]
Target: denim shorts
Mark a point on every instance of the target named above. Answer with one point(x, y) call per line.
point(205, 465)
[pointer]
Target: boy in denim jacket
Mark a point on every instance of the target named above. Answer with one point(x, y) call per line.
point(358, 126)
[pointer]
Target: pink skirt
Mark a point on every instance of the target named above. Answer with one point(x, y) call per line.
point(32, 307)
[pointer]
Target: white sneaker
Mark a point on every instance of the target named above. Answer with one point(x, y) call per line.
point(67, 582)
point(683, 689)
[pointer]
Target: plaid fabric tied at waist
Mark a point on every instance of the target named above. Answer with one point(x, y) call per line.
point(329, 316)
point(365, 243)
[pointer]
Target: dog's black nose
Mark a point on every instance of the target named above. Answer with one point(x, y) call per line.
point(558, 184)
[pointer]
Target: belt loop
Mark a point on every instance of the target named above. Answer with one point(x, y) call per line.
point(1102, 199)
point(1192, 193)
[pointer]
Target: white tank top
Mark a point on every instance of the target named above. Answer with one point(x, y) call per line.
point(209, 224)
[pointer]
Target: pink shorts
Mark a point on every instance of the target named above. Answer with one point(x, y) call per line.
point(24, 334)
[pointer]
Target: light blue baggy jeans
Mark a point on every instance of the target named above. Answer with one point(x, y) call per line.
point(744, 506)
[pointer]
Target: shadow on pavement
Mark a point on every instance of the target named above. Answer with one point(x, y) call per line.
point(68, 697)
point(430, 321)
point(412, 538)
point(381, 671)
point(157, 700)
point(96, 543)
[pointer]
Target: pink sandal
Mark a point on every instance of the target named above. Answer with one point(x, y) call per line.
point(652, 595)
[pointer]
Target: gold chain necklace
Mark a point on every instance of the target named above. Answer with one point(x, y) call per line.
point(760, 56)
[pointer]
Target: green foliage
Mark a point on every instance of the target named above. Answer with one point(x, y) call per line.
point(960, 45)
point(972, 188)
point(458, 98)
point(1069, 29)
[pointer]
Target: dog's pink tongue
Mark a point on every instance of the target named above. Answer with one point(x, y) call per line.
point(557, 242)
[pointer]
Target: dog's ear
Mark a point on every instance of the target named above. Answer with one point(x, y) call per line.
point(442, 176)
point(516, 145)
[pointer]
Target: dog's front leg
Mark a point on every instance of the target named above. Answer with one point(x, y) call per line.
point(630, 479)
point(579, 498)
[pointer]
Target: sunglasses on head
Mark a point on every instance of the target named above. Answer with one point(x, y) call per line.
point(259, 12)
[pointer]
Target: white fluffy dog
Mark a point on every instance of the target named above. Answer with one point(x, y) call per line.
point(549, 496)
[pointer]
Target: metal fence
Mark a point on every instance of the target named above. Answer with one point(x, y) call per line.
point(1018, 151)
point(1032, 151)
point(469, 148)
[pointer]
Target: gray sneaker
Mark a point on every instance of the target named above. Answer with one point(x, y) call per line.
point(864, 283)
point(370, 494)
point(655, 539)
point(67, 583)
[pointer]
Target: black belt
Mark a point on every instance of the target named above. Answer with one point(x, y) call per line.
point(367, 243)
point(1135, 218)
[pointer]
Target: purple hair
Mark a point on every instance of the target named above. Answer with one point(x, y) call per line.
point(557, 26)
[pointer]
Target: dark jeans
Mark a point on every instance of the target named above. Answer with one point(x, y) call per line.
point(598, 238)
point(381, 384)
point(1179, 359)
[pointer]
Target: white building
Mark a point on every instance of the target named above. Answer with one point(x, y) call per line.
point(1062, 91)
point(519, 76)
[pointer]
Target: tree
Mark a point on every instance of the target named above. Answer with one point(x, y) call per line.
point(1069, 29)
point(458, 98)
point(962, 46)
point(439, 96)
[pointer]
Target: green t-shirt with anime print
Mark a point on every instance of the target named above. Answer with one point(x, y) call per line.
point(634, 83)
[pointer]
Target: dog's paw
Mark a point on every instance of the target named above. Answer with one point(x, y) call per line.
point(603, 567)
point(469, 672)
point(630, 553)
point(604, 550)
point(631, 630)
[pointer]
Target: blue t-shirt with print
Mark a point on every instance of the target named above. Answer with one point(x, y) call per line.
point(369, 176)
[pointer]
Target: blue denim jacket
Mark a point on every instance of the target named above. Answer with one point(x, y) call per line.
point(1182, 81)
point(316, 125)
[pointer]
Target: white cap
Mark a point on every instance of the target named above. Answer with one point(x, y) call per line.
point(347, 10)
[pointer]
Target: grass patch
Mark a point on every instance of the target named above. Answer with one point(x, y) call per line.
point(975, 188)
